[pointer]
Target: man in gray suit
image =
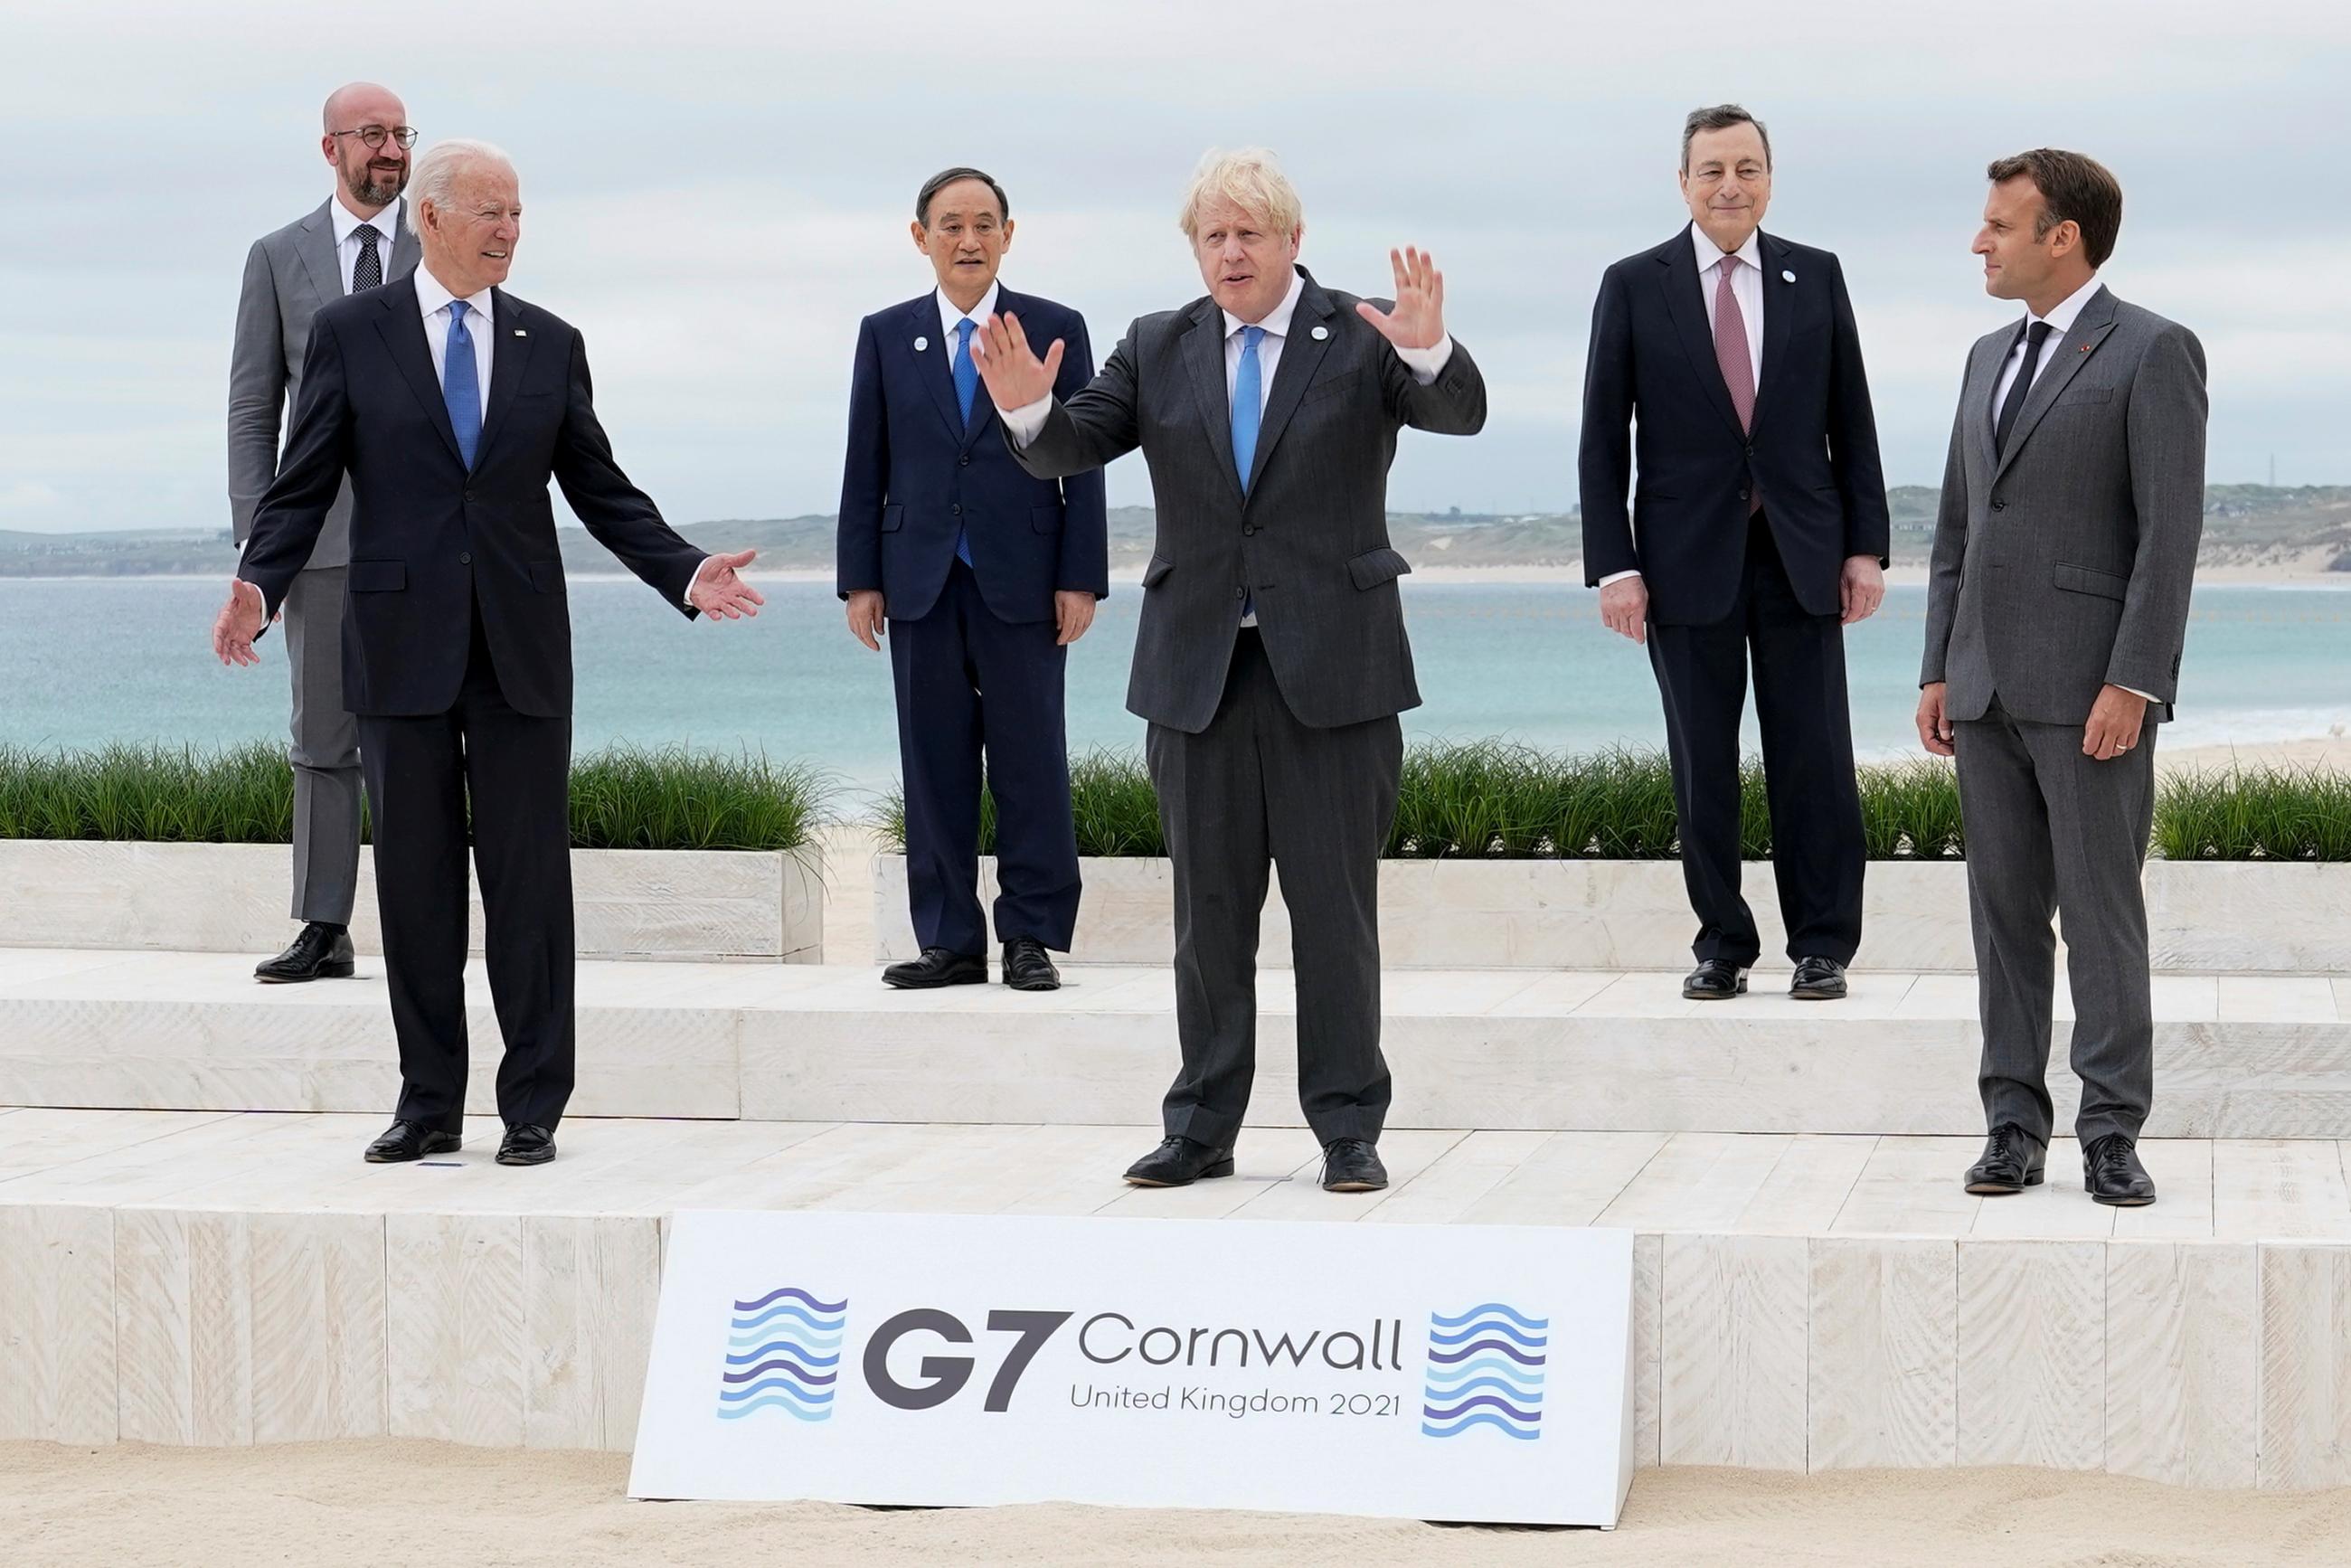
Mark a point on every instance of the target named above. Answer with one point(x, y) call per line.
point(354, 242)
point(1272, 661)
point(2064, 550)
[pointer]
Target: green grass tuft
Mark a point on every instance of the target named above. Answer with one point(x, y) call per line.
point(2260, 813)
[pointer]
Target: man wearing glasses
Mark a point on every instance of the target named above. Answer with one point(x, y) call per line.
point(355, 241)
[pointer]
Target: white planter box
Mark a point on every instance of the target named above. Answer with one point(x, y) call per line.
point(2249, 917)
point(697, 905)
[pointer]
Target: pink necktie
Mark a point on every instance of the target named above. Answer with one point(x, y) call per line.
point(1731, 346)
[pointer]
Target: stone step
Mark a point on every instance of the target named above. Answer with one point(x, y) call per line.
point(2236, 1056)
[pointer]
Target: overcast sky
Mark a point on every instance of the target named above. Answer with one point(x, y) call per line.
point(714, 193)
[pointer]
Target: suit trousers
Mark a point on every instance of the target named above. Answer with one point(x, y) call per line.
point(1257, 790)
point(980, 700)
point(2051, 831)
point(514, 771)
point(324, 753)
point(1817, 851)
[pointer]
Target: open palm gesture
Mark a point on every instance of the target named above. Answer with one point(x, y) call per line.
point(1418, 320)
point(1015, 377)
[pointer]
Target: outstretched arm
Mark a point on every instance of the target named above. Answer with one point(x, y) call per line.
point(622, 517)
point(1052, 437)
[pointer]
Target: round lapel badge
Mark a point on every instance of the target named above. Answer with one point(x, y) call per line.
point(1787, 277)
point(1321, 333)
point(921, 343)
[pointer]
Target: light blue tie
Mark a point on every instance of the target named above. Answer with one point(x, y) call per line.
point(1249, 408)
point(461, 384)
point(966, 379)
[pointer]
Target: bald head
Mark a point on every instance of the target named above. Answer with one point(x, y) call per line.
point(369, 178)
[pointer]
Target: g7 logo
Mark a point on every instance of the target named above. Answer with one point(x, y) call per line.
point(948, 1374)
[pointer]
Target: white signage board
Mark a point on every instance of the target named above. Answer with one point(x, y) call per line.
point(1469, 1372)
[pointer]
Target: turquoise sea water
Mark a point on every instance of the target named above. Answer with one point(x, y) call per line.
point(91, 662)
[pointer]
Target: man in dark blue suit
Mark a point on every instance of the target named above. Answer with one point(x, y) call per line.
point(1758, 525)
point(451, 404)
point(983, 577)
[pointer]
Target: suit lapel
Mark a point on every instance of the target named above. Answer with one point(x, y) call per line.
point(934, 362)
point(1984, 377)
point(1779, 297)
point(983, 407)
point(1678, 277)
point(401, 322)
point(404, 257)
point(509, 353)
point(1203, 357)
point(1301, 356)
point(2073, 351)
point(317, 250)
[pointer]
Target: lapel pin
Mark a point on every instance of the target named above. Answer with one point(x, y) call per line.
point(520, 333)
point(1787, 276)
point(1321, 332)
point(921, 343)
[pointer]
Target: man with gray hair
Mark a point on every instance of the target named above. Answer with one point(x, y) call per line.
point(1272, 661)
point(450, 405)
point(353, 242)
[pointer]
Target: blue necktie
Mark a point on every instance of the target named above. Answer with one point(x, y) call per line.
point(1248, 407)
point(461, 384)
point(966, 379)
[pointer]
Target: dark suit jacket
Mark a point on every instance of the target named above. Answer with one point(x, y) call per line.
point(1310, 541)
point(429, 539)
point(916, 475)
point(1813, 448)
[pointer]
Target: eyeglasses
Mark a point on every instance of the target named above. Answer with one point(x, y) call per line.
point(374, 135)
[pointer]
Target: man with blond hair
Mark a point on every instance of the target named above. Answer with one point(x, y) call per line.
point(1272, 661)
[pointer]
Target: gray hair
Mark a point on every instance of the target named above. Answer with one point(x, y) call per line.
point(434, 177)
point(1722, 116)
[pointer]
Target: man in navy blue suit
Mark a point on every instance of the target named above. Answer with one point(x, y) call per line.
point(983, 576)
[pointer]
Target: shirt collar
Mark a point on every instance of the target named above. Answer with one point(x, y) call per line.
point(345, 220)
point(2061, 316)
point(1277, 320)
point(432, 297)
point(949, 316)
point(1710, 254)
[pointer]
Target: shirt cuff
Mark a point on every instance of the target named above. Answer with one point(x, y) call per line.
point(687, 598)
point(1617, 576)
point(1425, 363)
point(1026, 421)
point(2148, 696)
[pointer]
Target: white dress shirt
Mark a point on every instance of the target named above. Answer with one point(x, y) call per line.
point(434, 300)
point(347, 222)
point(951, 320)
point(2061, 321)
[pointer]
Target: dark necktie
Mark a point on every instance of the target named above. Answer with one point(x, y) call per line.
point(2035, 334)
point(368, 271)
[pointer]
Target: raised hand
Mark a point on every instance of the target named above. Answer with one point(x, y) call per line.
point(241, 620)
point(1418, 320)
point(1015, 377)
point(718, 591)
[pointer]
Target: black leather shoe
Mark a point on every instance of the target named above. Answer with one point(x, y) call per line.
point(1027, 968)
point(2012, 1161)
point(2111, 1173)
point(1715, 980)
point(526, 1146)
point(937, 967)
point(1818, 980)
point(1353, 1164)
point(405, 1141)
point(321, 952)
point(1180, 1162)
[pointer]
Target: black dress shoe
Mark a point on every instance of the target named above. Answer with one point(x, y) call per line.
point(937, 967)
point(1818, 980)
point(524, 1145)
point(1027, 968)
point(406, 1141)
point(1353, 1164)
point(321, 952)
point(2111, 1173)
point(1716, 980)
point(2012, 1160)
point(1180, 1162)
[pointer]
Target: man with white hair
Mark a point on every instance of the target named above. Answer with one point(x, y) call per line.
point(450, 405)
point(1272, 661)
point(350, 243)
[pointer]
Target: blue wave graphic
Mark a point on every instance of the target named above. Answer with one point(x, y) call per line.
point(1486, 1368)
point(783, 1354)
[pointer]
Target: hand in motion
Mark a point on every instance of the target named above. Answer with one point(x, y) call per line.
point(1073, 612)
point(1861, 588)
point(720, 591)
point(867, 614)
point(241, 620)
point(2115, 720)
point(1015, 377)
point(1934, 724)
point(1625, 608)
point(1418, 320)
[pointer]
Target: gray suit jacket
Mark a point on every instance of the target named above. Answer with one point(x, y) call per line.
point(2065, 565)
point(288, 275)
point(1311, 539)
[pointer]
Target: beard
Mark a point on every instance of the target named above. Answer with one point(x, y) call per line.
point(376, 187)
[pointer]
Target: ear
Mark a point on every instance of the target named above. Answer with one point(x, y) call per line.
point(922, 236)
point(1009, 226)
point(326, 148)
point(2064, 238)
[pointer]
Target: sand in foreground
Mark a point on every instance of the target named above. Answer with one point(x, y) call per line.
point(406, 1501)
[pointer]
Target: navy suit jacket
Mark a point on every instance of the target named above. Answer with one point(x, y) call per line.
point(916, 474)
point(1813, 447)
point(429, 539)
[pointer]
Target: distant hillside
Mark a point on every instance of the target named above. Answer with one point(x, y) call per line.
point(2303, 530)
